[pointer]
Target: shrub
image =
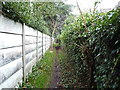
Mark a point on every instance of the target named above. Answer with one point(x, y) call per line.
point(94, 54)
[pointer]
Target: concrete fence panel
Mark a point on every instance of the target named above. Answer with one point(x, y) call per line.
point(20, 48)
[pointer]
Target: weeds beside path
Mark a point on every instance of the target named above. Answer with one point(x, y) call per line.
point(41, 73)
point(47, 73)
point(56, 71)
point(55, 75)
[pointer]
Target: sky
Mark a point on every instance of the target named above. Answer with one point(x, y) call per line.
point(86, 5)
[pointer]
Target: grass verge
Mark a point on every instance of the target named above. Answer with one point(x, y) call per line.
point(41, 73)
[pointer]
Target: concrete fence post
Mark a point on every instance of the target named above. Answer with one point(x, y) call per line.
point(42, 44)
point(45, 42)
point(37, 46)
point(23, 50)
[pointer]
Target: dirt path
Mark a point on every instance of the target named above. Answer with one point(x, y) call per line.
point(55, 74)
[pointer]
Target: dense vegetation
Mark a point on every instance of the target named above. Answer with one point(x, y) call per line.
point(47, 17)
point(92, 44)
point(41, 73)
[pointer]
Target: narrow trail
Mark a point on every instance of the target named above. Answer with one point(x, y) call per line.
point(55, 74)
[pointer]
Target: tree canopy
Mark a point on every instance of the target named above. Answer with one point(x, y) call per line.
point(43, 16)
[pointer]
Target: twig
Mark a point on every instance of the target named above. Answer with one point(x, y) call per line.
point(3, 12)
point(82, 16)
point(77, 45)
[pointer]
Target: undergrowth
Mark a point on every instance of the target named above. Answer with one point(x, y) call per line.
point(68, 77)
point(93, 52)
point(41, 73)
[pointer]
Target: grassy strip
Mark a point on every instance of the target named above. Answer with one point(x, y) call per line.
point(41, 74)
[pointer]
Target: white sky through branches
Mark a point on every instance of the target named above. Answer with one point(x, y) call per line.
point(86, 5)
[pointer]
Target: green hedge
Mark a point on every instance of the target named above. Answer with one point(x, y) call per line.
point(95, 55)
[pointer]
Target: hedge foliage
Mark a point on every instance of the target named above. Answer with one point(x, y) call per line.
point(94, 53)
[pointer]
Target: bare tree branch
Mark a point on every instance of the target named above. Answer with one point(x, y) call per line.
point(84, 21)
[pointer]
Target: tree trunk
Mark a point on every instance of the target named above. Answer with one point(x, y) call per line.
point(55, 24)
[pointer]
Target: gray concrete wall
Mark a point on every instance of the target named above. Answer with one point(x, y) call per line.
point(20, 48)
